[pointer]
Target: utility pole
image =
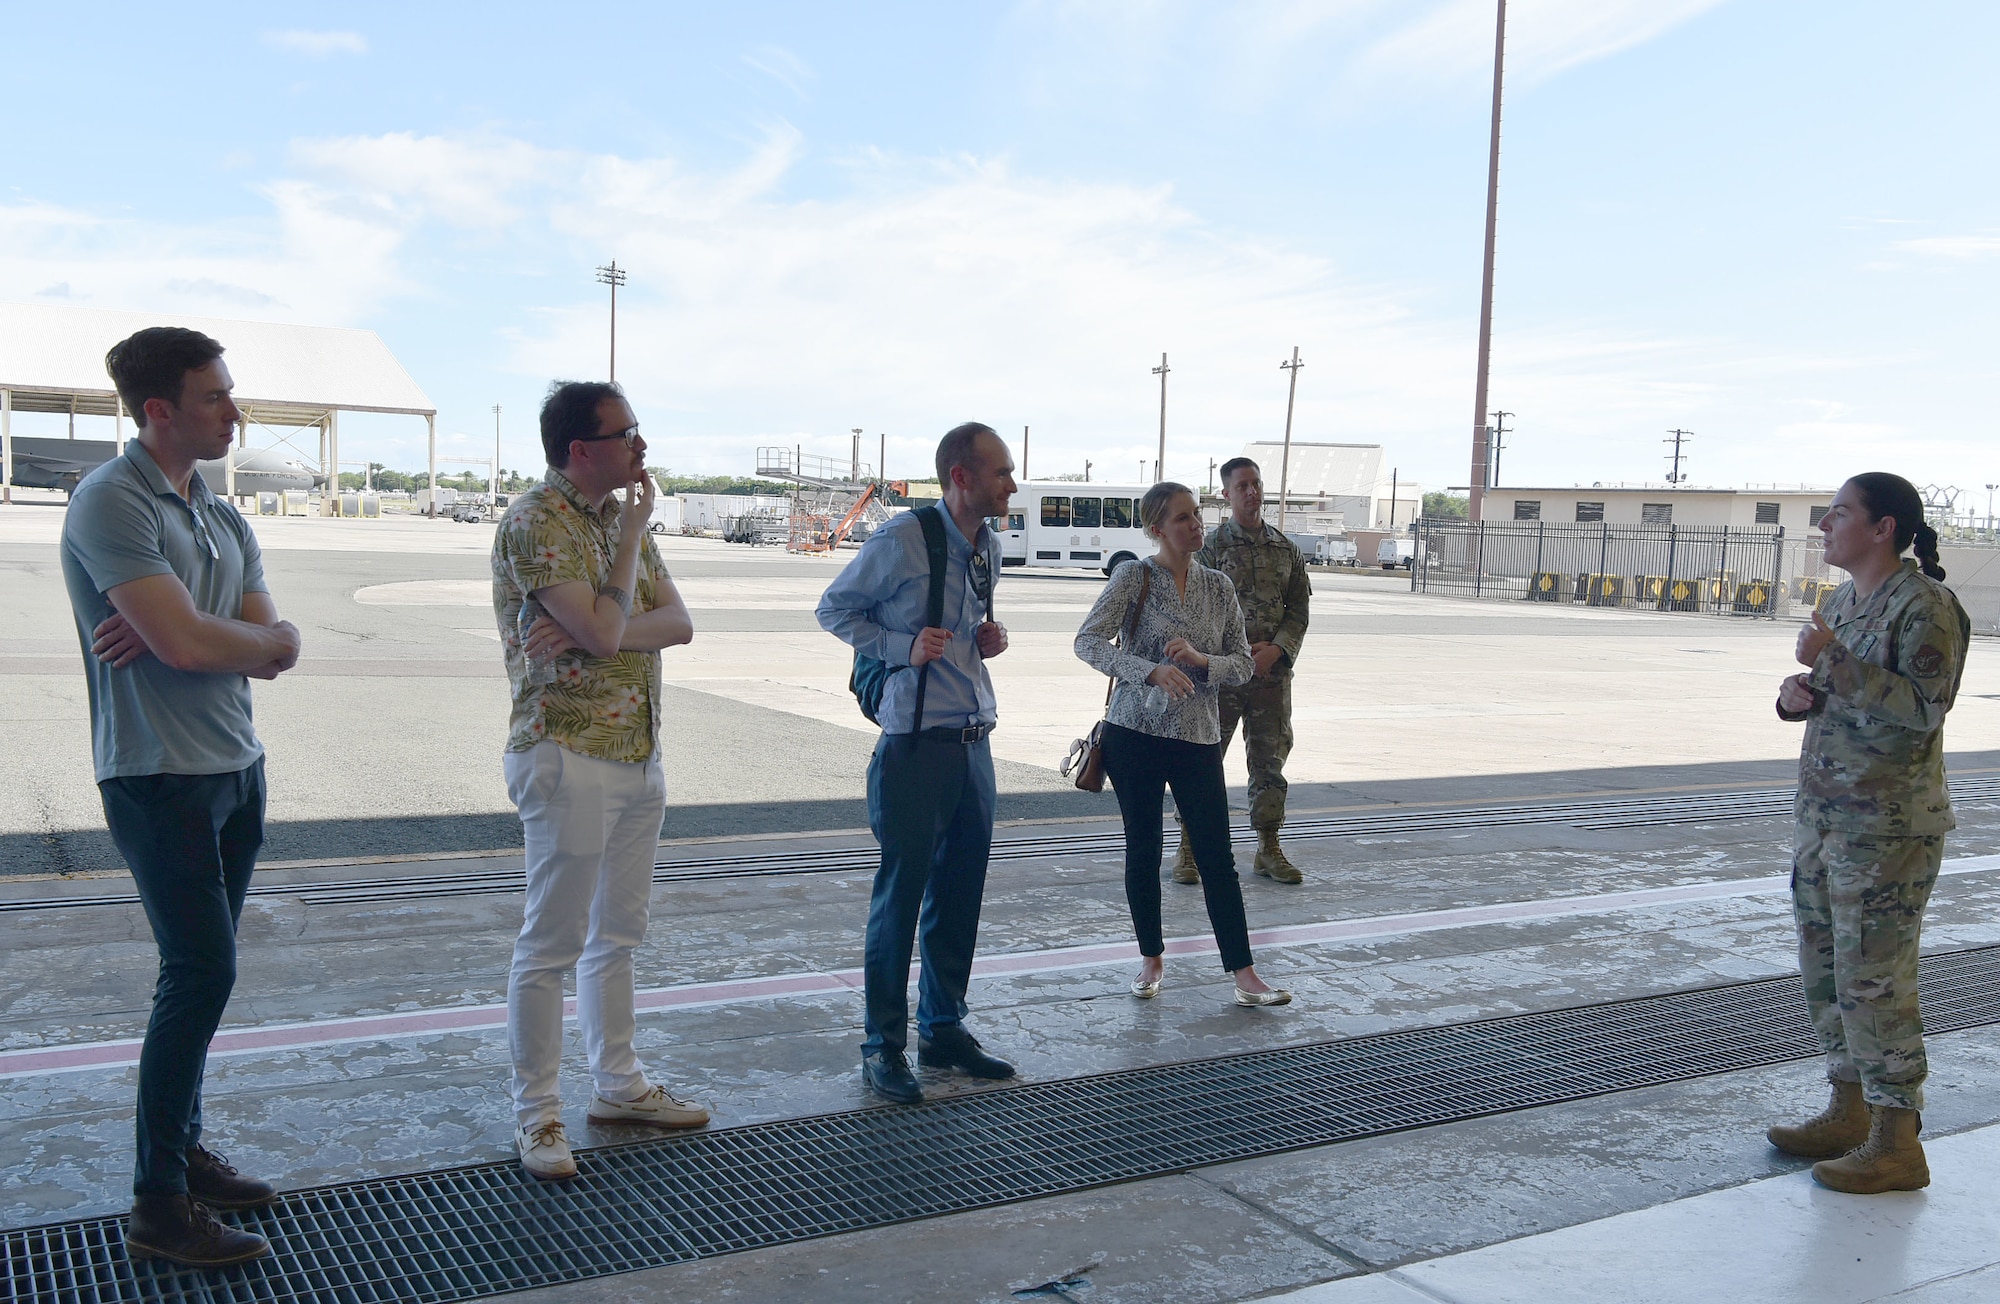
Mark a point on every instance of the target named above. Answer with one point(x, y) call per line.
point(1086, 470)
point(1160, 463)
point(1210, 485)
point(1394, 485)
point(1477, 482)
point(1285, 466)
point(1989, 506)
point(613, 276)
point(1677, 437)
point(494, 486)
point(1024, 452)
point(1500, 432)
point(882, 456)
point(854, 465)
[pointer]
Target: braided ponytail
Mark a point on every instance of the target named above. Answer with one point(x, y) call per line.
point(1926, 540)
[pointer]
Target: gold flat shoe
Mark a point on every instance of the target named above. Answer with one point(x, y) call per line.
point(1146, 991)
point(1272, 997)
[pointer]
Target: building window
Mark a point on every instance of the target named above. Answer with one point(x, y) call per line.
point(1590, 511)
point(1767, 513)
point(1117, 513)
point(1085, 513)
point(1527, 510)
point(1819, 514)
point(1656, 514)
point(1055, 511)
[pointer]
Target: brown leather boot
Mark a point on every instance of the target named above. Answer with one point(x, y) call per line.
point(1271, 861)
point(1891, 1159)
point(1184, 866)
point(1832, 1132)
point(181, 1230)
point(215, 1182)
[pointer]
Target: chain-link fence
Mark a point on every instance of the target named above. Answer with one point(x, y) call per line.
point(1742, 572)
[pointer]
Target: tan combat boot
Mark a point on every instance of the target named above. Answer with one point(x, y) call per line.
point(1184, 866)
point(1832, 1132)
point(1891, 1159)
point(1271, 862)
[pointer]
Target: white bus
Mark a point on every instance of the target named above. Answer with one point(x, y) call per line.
point(1073, 524)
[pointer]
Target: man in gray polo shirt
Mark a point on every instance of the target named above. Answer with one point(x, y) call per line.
point(167, 585)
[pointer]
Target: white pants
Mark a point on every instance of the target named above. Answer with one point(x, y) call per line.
point(591, 828)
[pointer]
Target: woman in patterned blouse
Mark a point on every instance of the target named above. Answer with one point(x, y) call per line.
point(1162, 728)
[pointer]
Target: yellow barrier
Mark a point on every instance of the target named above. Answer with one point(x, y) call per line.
point(1548, 586)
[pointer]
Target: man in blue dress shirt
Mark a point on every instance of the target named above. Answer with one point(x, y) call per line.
point(930, 781)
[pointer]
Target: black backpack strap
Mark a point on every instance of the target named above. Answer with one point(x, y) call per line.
point(932, 520)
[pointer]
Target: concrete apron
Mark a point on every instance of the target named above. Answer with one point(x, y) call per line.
point(309, 1112)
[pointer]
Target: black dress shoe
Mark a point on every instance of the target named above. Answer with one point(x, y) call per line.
point(888, 1075)
point(960, 1050)
point(215, 1183)
point(181, 1230)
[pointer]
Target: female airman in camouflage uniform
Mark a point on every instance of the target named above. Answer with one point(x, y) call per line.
point(1884, 663)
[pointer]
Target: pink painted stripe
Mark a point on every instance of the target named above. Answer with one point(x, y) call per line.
point(472, 1018)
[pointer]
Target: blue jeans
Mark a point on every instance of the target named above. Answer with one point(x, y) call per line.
point(191, 841)
point(930, 804)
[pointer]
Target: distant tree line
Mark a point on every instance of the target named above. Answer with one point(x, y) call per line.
point(1437, 503)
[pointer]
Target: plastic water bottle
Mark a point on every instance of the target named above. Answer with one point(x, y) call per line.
point(541, 670)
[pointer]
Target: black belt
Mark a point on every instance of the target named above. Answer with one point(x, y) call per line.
point(971, 733)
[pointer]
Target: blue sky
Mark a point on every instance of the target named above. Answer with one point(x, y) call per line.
point(1775, 224)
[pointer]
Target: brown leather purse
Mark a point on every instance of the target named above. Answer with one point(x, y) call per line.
point(1086, 754)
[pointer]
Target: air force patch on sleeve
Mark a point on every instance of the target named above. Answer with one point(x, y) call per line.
point(1927, 662)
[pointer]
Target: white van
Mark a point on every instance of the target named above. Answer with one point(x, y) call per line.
point(1073, 524)
point(1397, 550)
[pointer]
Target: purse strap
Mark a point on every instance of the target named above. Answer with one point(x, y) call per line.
point(1131, 625)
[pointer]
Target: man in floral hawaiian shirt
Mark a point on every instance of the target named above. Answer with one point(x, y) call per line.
point(583, 760)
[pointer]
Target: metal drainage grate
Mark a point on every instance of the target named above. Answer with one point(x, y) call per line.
point(486, 1229)
point(1630, 812)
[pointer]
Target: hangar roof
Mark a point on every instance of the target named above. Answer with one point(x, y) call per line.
point(52, 358)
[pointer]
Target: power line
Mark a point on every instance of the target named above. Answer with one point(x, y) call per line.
point(1677, 437)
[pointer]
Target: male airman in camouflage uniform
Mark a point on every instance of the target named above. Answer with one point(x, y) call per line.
point(1872, 810)
point(1269, 573)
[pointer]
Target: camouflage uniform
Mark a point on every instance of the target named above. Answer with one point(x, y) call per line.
point(1269, 573)
point(1872, 811)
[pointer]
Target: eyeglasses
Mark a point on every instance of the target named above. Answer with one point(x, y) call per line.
point(982, 576)
point(201, 532)
point(629, 435)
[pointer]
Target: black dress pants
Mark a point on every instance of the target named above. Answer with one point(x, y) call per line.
point(1141, 768)
point(191, 841)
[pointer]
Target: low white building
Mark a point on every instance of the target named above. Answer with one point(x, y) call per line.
point(1795, 508)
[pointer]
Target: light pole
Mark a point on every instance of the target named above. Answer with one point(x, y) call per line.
point(1285, 466)
point(614, 276)
point(1086, 470)
point(494, 486)
point(1160, 463)
point(1478, 481)
point(1989, 506)
point(854, 468)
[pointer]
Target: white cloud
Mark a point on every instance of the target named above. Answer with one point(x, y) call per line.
point(317, 45)
point(783, 67)
point(1954, 246)
point(1544, 37)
